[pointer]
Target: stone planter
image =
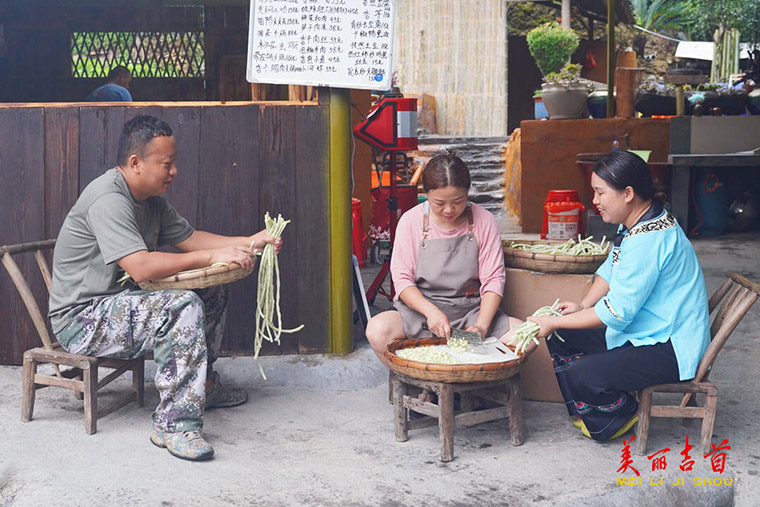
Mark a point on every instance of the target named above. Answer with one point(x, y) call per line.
point(731, 104)
point(597, 104)
point(565, 102)
point(753, 101)
point(650, 103)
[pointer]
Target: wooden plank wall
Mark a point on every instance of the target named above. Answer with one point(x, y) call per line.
point(22, 194)
point(235, 163)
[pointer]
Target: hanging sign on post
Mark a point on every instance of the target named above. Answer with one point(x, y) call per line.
point(338, 43)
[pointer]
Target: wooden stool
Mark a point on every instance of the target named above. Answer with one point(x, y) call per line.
point(732, 300)
point(505, 392)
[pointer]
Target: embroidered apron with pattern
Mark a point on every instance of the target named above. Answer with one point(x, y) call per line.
point(447, 275)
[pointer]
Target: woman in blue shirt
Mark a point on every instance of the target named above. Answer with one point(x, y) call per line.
point(644, 321)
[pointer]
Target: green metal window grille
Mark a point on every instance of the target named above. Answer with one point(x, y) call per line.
point(145, 54)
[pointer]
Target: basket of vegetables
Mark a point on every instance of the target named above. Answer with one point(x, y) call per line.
point(429, 361)
point(582, 256)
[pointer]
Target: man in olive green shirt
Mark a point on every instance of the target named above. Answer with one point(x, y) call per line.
point(116, 225)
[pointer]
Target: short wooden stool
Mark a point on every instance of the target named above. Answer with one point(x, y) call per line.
point(504, 392)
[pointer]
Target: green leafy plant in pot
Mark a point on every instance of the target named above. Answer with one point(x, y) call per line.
point(562, 92)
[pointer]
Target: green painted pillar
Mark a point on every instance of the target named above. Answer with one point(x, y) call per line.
point(339, 200)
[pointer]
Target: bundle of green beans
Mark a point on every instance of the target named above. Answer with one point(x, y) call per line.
point(268, 297)
point(528, 331)
point(581, 246)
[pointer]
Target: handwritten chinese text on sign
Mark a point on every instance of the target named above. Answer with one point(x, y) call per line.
point(338, 43)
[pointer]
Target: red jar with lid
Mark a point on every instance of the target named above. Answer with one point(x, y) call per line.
point(563, 215)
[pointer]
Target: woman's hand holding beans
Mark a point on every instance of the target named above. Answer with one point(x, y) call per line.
point(438, 323)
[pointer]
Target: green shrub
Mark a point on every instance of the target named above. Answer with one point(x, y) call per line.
point(551, 46)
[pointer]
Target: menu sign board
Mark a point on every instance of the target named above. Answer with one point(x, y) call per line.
point(338, 43)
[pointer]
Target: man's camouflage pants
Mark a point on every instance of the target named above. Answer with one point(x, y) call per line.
point(182, 328)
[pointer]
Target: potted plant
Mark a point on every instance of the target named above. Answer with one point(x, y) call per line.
point(539, 109)
point(562, 93)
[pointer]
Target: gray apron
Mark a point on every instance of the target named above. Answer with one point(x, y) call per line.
point(447, 275)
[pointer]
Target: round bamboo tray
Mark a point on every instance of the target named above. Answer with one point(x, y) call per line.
point(448, 373)
point(549, 263)
point(198, 278)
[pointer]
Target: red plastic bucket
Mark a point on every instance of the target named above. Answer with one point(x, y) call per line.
point(379, 229)
point(358, 238)
point(563, 215)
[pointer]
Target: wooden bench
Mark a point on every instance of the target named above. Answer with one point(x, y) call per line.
point(504, 393)
point(733, 299)
point(82, 375)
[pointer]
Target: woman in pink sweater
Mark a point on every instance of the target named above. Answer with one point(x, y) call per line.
point(447, 264)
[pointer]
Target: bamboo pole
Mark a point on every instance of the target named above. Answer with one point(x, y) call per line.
point(610, 58)
point(679, 100)
point(565, 13)
point(339, 199)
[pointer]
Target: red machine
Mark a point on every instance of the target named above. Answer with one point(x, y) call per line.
point(391, 125)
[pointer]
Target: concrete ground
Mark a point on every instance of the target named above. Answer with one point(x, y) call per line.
point(319, 432)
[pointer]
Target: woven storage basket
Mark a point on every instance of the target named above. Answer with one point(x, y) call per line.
point(198, 278)
point(548, 263)
point(449, 373)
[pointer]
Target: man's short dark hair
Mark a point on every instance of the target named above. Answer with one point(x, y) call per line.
point(137, 134)
point(117, 72)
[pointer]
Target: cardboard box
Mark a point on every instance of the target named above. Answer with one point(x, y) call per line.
point(525, 292)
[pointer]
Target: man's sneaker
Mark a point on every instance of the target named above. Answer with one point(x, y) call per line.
point(188, 445)
point(219, 396)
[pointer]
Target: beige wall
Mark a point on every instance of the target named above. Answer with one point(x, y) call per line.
point(456, 51)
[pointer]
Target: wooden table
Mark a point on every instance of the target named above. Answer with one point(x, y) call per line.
point(504, 393)
point(680, 176)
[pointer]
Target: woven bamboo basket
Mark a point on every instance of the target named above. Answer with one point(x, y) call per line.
point(198, 278)
point(448, 373)
point(549, 263)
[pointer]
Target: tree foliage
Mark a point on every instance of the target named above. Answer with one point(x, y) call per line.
point(711, 15)
point(661, 15)
point(145, 54)
point(524, 16)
